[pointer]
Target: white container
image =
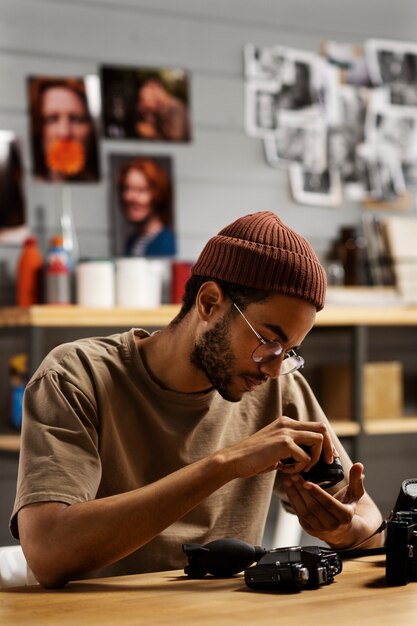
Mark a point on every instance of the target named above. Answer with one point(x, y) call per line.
point(95, 283)
point(139, 282)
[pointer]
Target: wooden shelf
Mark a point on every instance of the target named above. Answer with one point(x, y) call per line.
point(345, 428)
point(10, 442)
point(391, 426)
point(73, 315)
point(338, 315)
point(48, 315)
point(395, 426)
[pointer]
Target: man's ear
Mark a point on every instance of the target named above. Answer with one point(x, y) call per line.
point(210, 301)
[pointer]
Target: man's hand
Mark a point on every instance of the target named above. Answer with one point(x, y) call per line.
point(266, 449)
point(342, 520)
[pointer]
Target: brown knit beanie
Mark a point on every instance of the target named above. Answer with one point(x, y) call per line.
point(260, 251)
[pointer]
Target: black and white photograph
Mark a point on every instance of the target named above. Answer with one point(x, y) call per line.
point(287, 144)
point(262, 63)
point(384, 179)
point(293, 84)
point(261, 114)
point(391, 61)
point(142, 205)
point(352, 107)
point(142, 103)
point(366, 156)
point(296, 141)
point(394, 63)
point(390, 177)
point(393, 128)
point(13, 226)
point(315, 187)
point(341, 151)
point(299, 89)
point(409, 169)
point(381, 174)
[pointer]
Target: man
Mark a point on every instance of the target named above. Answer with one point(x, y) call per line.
point(133, 444)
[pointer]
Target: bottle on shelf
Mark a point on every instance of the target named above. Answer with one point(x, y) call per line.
point(29, 274)
point(58, 273)
point(352, 253)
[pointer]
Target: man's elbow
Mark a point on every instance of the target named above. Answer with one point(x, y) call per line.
point(43, 552)
point(45, 569)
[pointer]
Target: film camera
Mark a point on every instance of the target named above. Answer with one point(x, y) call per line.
point(293, 568)
point(324, 474)
point(401, 543)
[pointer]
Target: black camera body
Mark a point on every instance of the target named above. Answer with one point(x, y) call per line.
point(401, 545)
point(323, 474)
point(294, 568)
point(401, 542)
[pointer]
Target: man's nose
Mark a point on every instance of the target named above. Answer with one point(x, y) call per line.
point(272, 367)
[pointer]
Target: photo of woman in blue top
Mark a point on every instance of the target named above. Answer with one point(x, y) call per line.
point(145, 196)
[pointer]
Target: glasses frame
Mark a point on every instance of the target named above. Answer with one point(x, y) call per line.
point(296, 359)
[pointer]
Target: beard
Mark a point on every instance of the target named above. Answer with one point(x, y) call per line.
point(214, 357)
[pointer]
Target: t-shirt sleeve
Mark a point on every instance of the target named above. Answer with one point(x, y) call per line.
point(300, 403)
point(59, 459)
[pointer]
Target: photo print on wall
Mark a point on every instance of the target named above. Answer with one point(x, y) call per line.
point(64, 115)
point(142, 205)
point(13, 226)
point(151, 104)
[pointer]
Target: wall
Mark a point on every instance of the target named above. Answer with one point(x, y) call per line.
point(222, 173)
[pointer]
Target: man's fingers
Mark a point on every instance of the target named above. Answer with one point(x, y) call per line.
point(356, 487)
point(322, 444)
point(320, 508)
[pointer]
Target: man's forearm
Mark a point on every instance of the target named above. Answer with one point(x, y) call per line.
point(63, 542)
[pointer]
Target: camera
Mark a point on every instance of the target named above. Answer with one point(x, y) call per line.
point(323, 474)
point(294, 568)
point(401, 543)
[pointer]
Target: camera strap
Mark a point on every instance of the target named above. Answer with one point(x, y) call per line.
point(356, 551)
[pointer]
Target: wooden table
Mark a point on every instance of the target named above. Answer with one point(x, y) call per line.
point(357, 596)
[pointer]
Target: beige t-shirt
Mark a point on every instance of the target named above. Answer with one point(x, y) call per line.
point(96, 424)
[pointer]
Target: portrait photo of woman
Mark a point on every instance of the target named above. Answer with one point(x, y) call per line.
point(63, 114)
point(142, 206)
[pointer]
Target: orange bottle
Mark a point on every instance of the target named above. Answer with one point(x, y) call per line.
point(29, 274)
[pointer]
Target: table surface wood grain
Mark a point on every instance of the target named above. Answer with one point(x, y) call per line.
point(357, 596)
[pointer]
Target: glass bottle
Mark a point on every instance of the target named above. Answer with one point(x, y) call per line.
point(58, 273)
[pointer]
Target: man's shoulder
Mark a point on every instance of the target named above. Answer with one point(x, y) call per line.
point(84, 354)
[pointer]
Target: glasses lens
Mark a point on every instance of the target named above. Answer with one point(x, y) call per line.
point(291, 364)
point(267, 352)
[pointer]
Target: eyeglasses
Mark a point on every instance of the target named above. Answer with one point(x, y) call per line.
point(271, 349)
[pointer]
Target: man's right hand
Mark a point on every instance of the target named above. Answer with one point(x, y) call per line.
point(264, 450)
